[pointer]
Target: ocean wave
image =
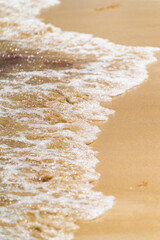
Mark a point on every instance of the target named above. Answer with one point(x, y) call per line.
point(52, 86)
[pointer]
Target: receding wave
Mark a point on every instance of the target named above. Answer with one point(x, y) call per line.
point(52, 84)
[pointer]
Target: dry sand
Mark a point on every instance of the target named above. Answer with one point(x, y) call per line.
point(129, 144)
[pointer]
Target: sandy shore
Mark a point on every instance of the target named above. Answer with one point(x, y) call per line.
point(129, 165)
point(129, 142)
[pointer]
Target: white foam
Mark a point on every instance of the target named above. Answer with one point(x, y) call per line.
point(60, 148)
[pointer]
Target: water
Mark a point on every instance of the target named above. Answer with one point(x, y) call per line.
point(52, 84)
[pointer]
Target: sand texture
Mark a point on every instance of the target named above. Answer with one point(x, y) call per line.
point(129, 165)
point(128, 145)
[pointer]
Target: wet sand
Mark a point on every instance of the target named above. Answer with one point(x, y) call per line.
point(128, 145)
point(129, 165)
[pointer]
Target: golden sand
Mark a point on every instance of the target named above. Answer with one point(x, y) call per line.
point(129, 142)
point(129, 165)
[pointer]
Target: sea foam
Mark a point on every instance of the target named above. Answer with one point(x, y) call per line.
point(52, 86)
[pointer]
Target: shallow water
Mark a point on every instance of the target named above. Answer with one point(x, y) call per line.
point(52, 84)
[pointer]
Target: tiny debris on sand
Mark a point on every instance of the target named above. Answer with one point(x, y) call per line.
point(107, 8)
point(143, 184)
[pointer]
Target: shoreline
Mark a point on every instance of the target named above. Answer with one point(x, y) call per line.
point(130, 178)
point(132, 23)
point(128, 142)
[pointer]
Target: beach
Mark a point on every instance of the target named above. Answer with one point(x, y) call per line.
point(129, 166)
point(79, 119)
point(128, 145)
